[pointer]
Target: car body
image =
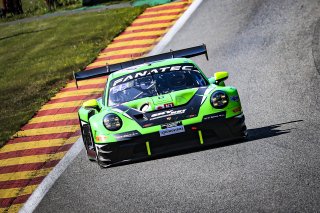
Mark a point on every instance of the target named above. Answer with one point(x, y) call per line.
point(159, 107)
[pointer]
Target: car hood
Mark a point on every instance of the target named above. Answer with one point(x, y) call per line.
point(175, 106)
point(165, 101)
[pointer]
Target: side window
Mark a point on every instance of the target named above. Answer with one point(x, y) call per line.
point(199, 80)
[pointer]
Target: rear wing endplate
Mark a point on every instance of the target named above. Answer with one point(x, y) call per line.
point(107, 70)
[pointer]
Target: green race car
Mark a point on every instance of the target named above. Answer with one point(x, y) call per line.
point(156, 105)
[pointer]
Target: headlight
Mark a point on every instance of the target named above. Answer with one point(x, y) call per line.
point(112, 122)
point(219, 99)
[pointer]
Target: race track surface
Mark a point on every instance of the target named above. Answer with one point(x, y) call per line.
point(271, 49)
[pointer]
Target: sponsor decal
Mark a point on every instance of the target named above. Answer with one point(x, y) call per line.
point(164, 106)
point(171, 131)
point(167, 114)
point(215, 116)
point(183, 67)
point(126, 135)
point(173, 124)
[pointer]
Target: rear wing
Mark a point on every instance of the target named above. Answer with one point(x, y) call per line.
point(108, 69)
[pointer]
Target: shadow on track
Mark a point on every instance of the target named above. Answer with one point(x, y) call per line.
point(253, 134)
point(268, 131)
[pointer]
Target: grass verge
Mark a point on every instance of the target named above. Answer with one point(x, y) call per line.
point(39, 7)
point(37, 59)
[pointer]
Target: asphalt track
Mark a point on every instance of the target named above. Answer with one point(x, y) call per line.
point(271, 49)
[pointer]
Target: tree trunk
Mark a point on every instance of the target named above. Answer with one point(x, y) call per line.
point(13, 6)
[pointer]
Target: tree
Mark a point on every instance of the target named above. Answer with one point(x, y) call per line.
point(52, 4)
point(13, 6)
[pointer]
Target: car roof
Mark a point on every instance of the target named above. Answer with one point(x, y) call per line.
point(147, 66)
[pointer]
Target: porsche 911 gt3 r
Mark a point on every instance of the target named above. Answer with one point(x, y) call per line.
point(156, 105)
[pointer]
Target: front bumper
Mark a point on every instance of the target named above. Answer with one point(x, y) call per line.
point(212, 130)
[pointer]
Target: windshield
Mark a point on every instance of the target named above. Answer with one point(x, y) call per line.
point(153, 85)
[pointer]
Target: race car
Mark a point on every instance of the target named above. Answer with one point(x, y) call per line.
point(158, 104)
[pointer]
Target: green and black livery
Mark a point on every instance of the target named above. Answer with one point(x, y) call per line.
point(156, 105)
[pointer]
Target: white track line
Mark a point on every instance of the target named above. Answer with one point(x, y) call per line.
point(36, 197)
point(51, 178)
point(176, 27)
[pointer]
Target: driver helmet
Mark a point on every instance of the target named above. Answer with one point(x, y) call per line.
point(177, 80)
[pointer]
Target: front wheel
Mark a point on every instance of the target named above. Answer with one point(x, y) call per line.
point(244, 133)
point(88, 141)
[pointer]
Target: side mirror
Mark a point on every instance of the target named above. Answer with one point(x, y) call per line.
point(91, 104)
point(220, 77)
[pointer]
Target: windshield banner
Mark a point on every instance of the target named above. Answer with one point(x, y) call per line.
point(178, 67)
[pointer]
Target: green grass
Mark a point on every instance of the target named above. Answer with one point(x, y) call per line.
point(39, 7)
point(37, 58)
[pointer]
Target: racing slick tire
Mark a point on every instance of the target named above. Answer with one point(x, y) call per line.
point(88, 141)
point(244, 133)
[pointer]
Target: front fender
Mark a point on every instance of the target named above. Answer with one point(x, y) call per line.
point(85, 114)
